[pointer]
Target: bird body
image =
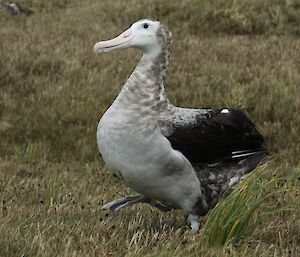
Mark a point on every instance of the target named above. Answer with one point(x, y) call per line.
point(174, 157)
point(132, 145)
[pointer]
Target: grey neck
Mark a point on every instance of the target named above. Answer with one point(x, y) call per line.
point(144, 90)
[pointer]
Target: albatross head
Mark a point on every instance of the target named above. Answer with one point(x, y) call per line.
point(148, 35)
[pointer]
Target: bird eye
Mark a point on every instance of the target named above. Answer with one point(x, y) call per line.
point(146, 25)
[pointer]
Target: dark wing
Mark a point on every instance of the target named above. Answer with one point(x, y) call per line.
point(215, 136)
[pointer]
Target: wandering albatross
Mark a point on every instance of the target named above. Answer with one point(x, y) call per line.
point(175, 158)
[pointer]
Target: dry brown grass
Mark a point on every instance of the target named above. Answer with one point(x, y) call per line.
point(53, 91)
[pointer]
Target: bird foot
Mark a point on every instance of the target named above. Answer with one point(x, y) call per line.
point(129, 200)
point(194, 222)
point(160, 206)
point(122, 202)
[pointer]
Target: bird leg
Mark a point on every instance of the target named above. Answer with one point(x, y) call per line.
point(129, 200)
point(160, 206)
point(122, 202)
point(194, 222)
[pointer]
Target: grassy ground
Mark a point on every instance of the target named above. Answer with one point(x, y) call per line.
point(53, 91)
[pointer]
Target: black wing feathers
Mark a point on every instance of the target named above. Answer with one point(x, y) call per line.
point(216, 136)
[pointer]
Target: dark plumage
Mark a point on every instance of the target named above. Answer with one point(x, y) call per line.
point(215, 136)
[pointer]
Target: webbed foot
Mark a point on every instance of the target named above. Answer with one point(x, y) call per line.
point(129, 200)
point(194, 222)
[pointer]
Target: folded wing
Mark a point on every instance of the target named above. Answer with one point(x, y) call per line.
point(213, 135)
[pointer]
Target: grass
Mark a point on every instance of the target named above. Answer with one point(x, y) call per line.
point(237, 216)
point(53, 91)
point(25, 154)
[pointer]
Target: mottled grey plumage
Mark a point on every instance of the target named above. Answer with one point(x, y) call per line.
point(174, 157)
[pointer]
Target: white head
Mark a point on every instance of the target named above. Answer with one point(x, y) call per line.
point(143, 34)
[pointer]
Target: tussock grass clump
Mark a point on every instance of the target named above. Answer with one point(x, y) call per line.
point(53, 188)
point(26, 154)
point(246, 208)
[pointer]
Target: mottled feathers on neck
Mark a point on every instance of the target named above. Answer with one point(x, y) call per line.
point(145, 86)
